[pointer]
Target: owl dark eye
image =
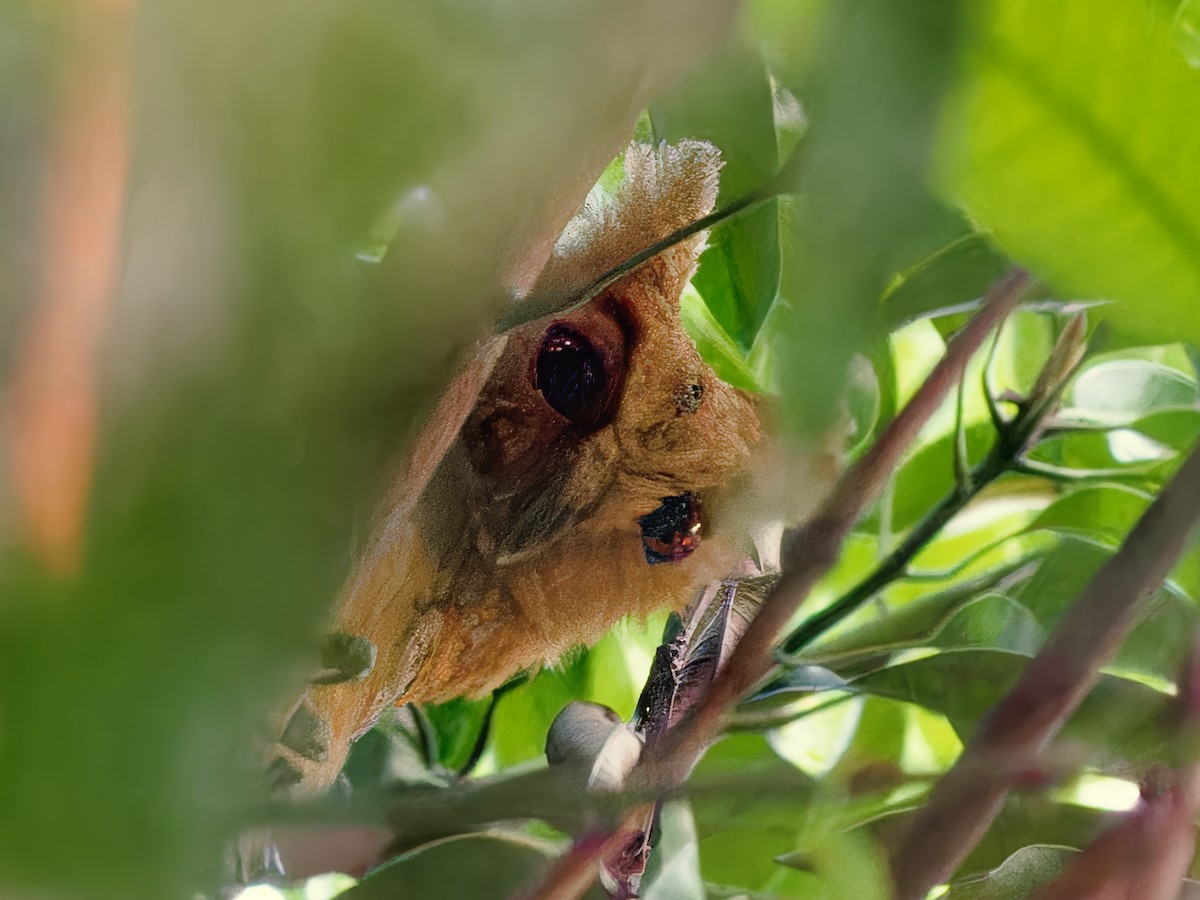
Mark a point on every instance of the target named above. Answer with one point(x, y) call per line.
point(571, 374)
point(672, 532)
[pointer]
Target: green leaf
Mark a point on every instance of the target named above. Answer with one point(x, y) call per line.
point(1177, 429)
point(775, 790)
point(1025, 871)
point(717, 348)
point(913, 624)
point(470, 865)
point(742, 861)
point(523, 715)
point(616, 666)
point(457, 725)
point(945, 281)
point(391, 752)
point(742, 830)
point(728, 102)
point(1104, 512)
point(1117, 721)
point(804, 680)
point(850, 865)
point(879, 738)
point(1118, 392)
point(1055, 150)
point(995, 622)
point(929, 475)
point(864, 210)
point(1155, 647)
point(611, 672)
point(1017, 877)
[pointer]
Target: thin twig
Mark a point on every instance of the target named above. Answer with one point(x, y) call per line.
point(1013, 439)
point(810, 555)
point(1009, 739)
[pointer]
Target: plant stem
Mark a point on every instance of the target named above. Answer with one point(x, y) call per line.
point(1013, 439)
point(896, 563)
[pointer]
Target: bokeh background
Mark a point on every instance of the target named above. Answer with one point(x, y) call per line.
point(245, 245)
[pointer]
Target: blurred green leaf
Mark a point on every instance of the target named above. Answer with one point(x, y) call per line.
point(742, 832)
point(728, 102)
point(490, 864)
point(457, 726)
point(864, 210)
point(879, 738)
point(259, 382)
point(1177, 429)
point(778, 791)
point(951, 277)
point(1024, 872)
point(612, 673)
point(1056, 97)
point(524, 714)
point(1025, 819)
point(1155, 647)
point(390, 753)
point(849, 864)
point(929, 474)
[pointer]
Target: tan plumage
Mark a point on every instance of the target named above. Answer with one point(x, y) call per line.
point(513, 531)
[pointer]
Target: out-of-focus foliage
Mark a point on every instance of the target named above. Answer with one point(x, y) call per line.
point(260, 379)
point(1070, 142)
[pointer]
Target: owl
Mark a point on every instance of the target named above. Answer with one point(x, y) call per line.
point(582, 467)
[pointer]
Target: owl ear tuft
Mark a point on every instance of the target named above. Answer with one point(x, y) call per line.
point(666, 188)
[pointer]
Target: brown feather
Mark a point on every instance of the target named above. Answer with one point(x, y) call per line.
point(513, 532)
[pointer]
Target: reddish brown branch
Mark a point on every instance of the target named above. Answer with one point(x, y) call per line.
point(52, 400)
point(811, 554)
point(573, 872)
point(1009, 740)
point(1146, 855)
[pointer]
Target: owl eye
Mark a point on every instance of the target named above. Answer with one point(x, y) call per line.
point(672, 532)
point(572, 377)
